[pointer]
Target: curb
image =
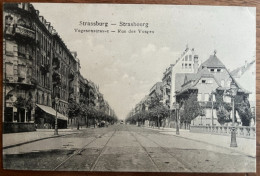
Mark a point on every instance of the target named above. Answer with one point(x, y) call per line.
point(211, 144)
point(35, 140)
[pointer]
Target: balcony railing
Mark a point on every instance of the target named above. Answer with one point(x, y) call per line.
point(25, 32)
point(56, 77)
point(56, 63)
point(241, 131)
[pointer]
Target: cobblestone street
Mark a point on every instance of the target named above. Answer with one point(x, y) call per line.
point(125, 148)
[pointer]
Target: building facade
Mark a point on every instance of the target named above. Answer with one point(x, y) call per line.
point(188, 63)
point(39, 69)
point(211, 80)
point(166, 85)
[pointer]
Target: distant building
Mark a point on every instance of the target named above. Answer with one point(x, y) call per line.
point(156, 90)
point(246, 77)
point(166, 85)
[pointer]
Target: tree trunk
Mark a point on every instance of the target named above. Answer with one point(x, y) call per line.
point(77, 123)
point(158, 122)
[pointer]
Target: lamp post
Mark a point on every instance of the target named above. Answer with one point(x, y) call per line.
point(56, 118)
point(176, 106)
point(232, 93)
point(212, 104)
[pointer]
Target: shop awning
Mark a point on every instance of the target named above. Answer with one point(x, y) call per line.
point(52, 111)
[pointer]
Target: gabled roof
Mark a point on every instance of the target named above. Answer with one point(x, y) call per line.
point(241, 70)
point(179, 80)
point(203, 73)
point(190, 77)
point(212, 61)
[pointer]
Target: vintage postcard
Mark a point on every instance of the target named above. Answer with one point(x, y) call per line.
point(132, 88)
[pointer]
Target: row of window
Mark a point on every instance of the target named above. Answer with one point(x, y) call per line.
point(222, 82)
point(205, 97)
point(214, 70)
point(23, 49)
point(187, 66)
point(59, 49)
point(40, 99)
point(206, 81)
point(187, 58)
point(43, 79)
point(45, 42)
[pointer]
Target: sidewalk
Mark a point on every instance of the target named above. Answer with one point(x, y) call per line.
point(245, 146)
point(16, 139)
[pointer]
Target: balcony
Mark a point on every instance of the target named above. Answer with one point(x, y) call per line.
point(20, 32)
point(25, 31)
point(71, 90)
point(22, 55)
point(45, 69)
point(71, 77)
point(167, 86)
point(56, 63)
point(56, 78)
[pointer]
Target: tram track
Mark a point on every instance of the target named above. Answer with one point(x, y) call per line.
point(187, 168)
point(147, 153)
point(99, 155)
point(78, 152)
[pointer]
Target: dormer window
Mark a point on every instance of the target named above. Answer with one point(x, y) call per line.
point(212, 70)
point(218, 70)
point(203, 81)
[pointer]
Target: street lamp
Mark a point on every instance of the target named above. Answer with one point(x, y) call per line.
point(232, 93)
point(56, 119)
point(176, 106)
point(212, 105)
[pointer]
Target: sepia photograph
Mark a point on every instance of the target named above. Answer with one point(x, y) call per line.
point(129, 88)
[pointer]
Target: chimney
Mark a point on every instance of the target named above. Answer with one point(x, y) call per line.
point(196, 63)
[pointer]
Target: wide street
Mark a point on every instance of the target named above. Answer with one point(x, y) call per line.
point(125, 148)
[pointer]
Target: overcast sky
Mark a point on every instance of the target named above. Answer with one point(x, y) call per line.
point(126, 66)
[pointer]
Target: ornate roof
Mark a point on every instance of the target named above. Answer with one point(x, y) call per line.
point(212, 61)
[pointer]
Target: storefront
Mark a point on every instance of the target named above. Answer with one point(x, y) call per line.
point(45, 118)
